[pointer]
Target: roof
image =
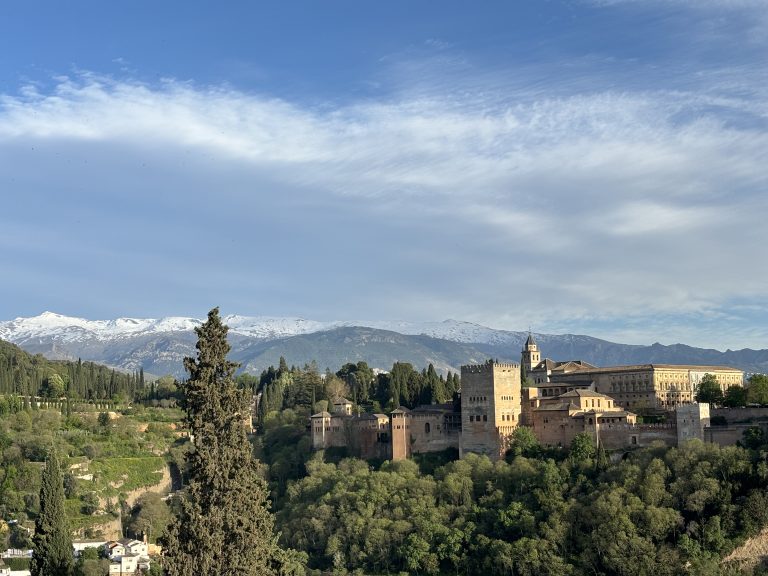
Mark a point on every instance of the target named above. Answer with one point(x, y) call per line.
point(555, 407)
point(400, 410)
point(341, 401)
point(583, 393)
point(604, 414)
point(639, 367)
point(323, 414)
point(529, 341)
point(564, 366)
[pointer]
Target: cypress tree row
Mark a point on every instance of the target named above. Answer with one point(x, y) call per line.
point(52, 541)
point(224, 526)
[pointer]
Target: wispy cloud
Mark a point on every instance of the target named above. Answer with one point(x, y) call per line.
point(609, 204)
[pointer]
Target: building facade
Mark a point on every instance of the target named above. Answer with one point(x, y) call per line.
point(656, 386)
point(659, 386)
point(565, 399)
point(490, 407)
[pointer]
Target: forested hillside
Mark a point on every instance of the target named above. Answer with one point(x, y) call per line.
point(26, 375)
point(659, 511)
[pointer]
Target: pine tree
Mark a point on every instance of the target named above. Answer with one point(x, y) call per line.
point(224, 526)
point(52, 541)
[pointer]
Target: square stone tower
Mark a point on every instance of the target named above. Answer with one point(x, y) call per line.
point(490, 407)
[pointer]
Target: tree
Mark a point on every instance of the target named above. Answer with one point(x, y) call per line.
point(709, 391)
point(149, 516)
point(90, 563)
point(757, 391)
point(582, 447)
point(52, 541)
point(735, 396)
point(523, 442)
point(224, 525)
point(54, 386)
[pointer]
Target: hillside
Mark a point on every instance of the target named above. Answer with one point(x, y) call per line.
point(31, 375)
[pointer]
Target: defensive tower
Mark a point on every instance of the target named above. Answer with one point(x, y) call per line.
point(490, 407)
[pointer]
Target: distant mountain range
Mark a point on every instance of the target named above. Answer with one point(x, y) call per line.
point(159, 345)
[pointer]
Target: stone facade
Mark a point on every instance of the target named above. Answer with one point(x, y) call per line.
point(662, 386)
point(490, 407)
point(556, 420)
point(430, 428)
point(658, 386)
point(567, 398)
point(691, 420)
point(366, 436)
point(733, 422)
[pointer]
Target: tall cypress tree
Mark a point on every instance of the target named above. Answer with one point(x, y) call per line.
point(52, 541)
point(224, 526)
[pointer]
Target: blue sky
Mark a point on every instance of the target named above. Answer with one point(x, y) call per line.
point(593, 167)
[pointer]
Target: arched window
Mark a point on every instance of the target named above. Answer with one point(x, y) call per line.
point(426, 428)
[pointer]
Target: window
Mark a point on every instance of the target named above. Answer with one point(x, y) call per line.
point(426, 428)
point(485, 417)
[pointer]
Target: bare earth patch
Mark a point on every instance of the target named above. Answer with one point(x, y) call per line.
point(751, 553)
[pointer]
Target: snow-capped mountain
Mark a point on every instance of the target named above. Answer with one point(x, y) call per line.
point(160, 345)
point(50, 325)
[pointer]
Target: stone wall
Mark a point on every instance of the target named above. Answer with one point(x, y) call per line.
point(490, 407)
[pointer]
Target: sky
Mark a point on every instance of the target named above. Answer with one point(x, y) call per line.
point(594, 167)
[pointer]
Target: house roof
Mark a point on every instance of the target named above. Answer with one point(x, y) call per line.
point(556, 407)
point(323, 414)
point(583, 393)
point(564, 366)
point(640, 367)
point(604, 413)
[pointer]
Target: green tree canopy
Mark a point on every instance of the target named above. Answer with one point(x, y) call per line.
point(224, 525)
point(52, 542)
point(735, 396)
point(709, 390)
point(757, 390)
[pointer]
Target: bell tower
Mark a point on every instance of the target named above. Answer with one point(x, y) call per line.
point(531, 355)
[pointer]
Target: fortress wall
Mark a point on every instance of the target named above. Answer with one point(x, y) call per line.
point(618, 436)
point(740, 414)
point(428, 433)
point(729, 435)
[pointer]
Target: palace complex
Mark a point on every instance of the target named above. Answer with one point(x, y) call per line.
point(559, 401)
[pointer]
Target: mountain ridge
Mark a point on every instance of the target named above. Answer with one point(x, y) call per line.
point(159, 345)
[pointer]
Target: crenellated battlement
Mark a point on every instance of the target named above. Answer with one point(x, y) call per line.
point(488, 367)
